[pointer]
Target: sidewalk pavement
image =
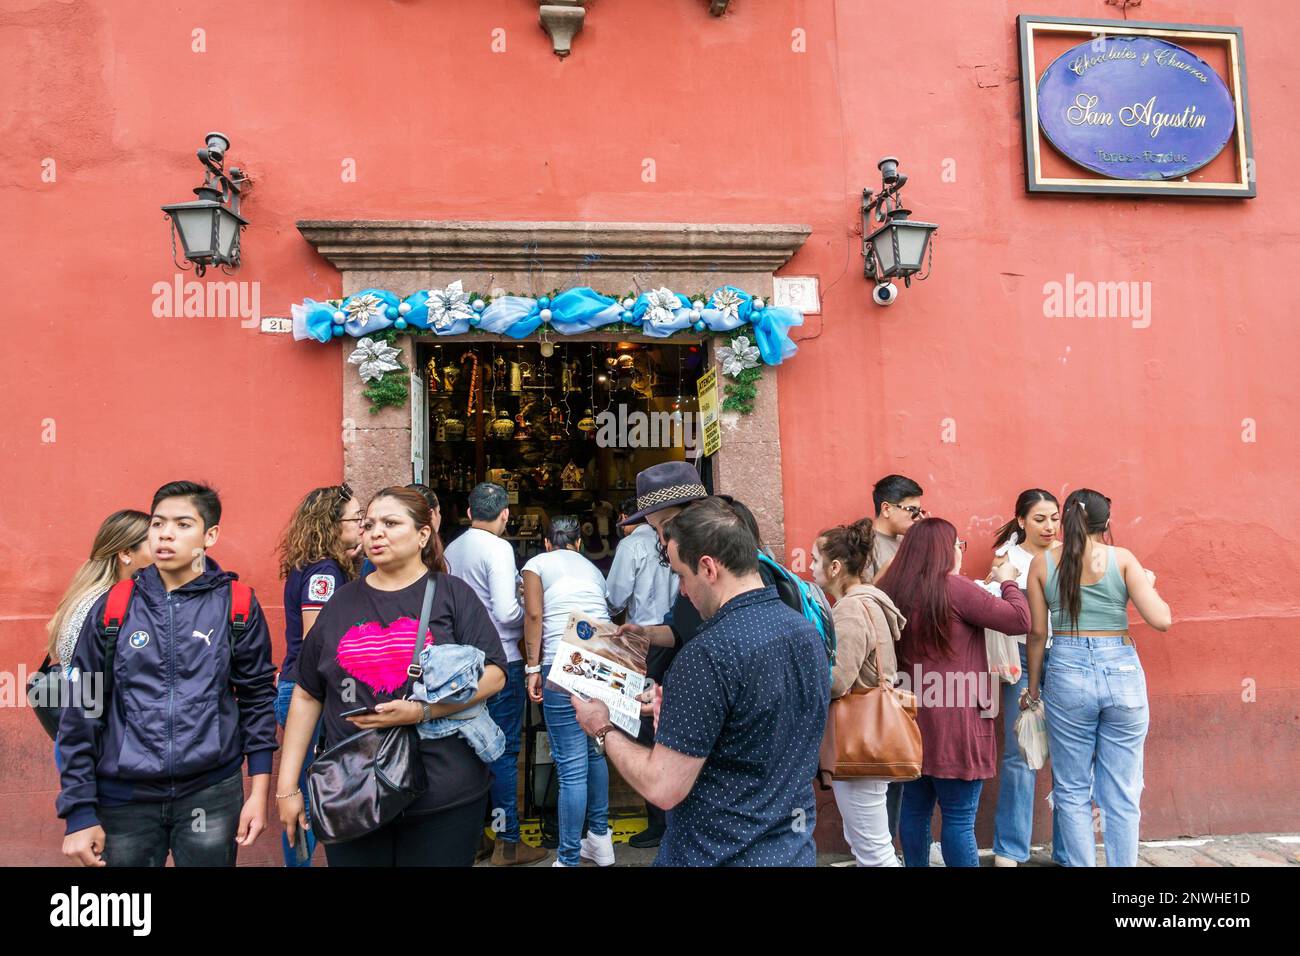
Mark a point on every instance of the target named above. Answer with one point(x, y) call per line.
point(1244, 849)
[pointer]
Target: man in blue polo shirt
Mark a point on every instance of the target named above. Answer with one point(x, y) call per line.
point(743, 710)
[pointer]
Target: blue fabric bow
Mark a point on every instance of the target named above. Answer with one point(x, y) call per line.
point(771, 333)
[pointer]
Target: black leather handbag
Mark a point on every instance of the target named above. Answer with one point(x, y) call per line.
point(45, 688)
point(364, 781)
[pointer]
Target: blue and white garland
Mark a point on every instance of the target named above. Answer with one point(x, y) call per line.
point(452, 311)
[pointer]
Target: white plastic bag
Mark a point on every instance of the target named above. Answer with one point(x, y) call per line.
point(1031, 735)
point(1003, 654)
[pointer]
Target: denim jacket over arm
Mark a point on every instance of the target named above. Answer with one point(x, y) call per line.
point(449, 675)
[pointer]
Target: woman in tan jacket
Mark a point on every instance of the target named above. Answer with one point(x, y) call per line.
point(866, 626)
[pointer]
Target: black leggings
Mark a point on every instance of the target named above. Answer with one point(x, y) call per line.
point(445, 838)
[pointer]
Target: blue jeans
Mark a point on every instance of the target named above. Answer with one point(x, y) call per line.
point(198, 829)
point(283, 695)
point(1095, 696)
point(1013, 825)
point(958, 801)
point(584, 776)
point(506, 708)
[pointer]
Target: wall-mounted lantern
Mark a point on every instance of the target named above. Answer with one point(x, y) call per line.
point(898, 248)
point(209, 226)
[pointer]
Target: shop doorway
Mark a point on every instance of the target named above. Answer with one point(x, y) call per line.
point(564, 432)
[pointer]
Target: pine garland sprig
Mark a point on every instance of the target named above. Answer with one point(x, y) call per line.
point(391, 389)
point(740, 395)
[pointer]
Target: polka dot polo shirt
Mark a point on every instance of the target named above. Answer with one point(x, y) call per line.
point(749, 694)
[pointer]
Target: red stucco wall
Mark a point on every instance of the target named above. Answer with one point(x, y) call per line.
point(741, 129)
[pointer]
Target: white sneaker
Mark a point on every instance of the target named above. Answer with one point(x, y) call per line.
point(599, 849)
point(1004, 861)
point(557, 863)
point(936, 855)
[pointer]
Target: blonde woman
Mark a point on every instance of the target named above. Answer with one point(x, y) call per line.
point(121, 548)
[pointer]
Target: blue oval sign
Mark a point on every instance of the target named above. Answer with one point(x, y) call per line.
point(1135, 108)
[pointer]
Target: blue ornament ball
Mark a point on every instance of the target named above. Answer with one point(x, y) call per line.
point(626, 316)
point(544, 302)
point(337, 331)
point(699, 326)
point(391, 312)
point(400, 324)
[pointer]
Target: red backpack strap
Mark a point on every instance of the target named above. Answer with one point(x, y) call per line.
point(119, 596)
point(241, 603)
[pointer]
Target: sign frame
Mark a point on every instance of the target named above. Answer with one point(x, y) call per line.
point(1232, 38)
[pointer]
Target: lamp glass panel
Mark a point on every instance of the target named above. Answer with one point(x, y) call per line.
point(911, 246)
point(195, 227)
point(884, 245)
point(228, 231)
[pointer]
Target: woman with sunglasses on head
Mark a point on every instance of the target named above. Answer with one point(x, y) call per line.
point(941, 653)
point(1030, 533)
point(354, 672)
point(1095, 691)
point(317, 557)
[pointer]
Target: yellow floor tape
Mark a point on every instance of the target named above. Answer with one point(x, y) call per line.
point(624, 826)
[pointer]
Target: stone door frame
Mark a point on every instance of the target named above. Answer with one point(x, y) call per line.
point(535, 257)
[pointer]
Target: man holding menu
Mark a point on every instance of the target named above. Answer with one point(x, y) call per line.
point(743, 710)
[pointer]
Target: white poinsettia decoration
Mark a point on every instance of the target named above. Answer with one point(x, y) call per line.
point(739, 357)
point(727, 301)
point(375, 358)
point(448, 305)
point(663, 306)
point(362, 308)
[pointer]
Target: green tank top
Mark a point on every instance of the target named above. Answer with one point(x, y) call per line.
point(1102, 606)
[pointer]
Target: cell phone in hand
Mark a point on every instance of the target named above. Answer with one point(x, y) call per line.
point(356, 712)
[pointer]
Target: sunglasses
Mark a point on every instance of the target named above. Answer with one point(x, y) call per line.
point(916, 511)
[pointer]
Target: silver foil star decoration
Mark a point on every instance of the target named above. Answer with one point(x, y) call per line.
point(362, 308)
point(375, 358)
point(663, 305)
point(727, 302)
point(740, 356)
point(446, 306)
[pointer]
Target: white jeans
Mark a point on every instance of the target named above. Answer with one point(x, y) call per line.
point(866, 821)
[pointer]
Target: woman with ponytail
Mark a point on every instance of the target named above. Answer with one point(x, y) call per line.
point(353, 670)
point(120, 549)
point(1096, 694)
point(866, 626)
point(317, 557)
point(943, 655)
point(1031, 532)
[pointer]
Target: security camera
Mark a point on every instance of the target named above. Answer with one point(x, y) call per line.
point(885, 293)
point(217, 144)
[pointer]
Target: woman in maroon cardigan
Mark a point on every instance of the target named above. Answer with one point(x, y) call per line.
point(942, 660)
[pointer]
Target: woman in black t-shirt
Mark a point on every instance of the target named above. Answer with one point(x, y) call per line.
point(357, 656)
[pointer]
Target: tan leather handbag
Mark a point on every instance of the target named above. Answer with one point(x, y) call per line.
point(872, 733)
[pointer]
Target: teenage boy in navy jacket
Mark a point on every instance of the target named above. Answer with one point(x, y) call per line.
point(156, 766)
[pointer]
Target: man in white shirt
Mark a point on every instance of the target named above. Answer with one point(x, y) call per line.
point(638, 582)
point(486, 562)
